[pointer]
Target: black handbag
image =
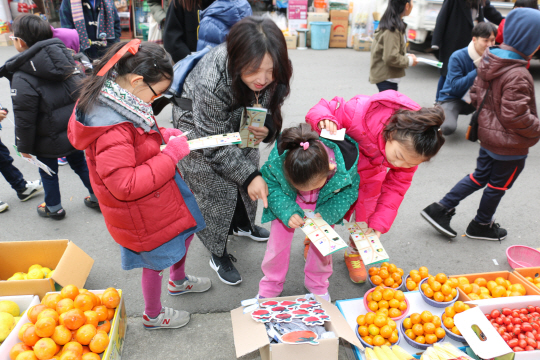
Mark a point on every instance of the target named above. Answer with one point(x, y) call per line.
point(472, 131)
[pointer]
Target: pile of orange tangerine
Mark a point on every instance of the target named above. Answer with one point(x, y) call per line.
point(388, 275)
point(483, 289)
point(70, 325)
point(414, 278)
point(440, 288)
point(387, 301)
point(450, 312)
point(424, 328)
point(377, 329)
point(535, 281)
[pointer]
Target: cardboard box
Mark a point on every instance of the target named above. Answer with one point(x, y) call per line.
point(532, 272)
point(493, 345)
point(315, 16)
point(340, 25)
point(71, 265)
point(250, 335)
point(362, 44)
point(513, 278)
point(297, 10)
point(5, 40)
point(24, 302)
point(291, 41)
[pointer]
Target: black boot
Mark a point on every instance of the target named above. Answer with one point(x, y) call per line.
point(439, 217)
point(492, 231)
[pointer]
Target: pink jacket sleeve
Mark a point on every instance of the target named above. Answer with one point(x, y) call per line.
point(394, 187)
point(336, 110)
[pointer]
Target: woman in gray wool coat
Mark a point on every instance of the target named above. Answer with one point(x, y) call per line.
point(251, 67)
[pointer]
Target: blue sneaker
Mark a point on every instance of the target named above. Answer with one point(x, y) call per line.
point(62, 161)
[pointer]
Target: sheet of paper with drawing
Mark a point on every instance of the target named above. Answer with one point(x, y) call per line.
point(321, 234)
point(34, 161)
point(339, 136)
point(369, 246)
point(253, 116)
point(213, 141)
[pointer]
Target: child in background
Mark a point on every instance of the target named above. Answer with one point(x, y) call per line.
point(25, 190)
point(305, 172)
point(148, 209)
point(44, 87)
point(388, 51)
point(508, 126)
point(394, 136)
point(461, 76)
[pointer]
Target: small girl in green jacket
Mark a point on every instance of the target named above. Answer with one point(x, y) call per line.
point(388, 51)
point(305, 172)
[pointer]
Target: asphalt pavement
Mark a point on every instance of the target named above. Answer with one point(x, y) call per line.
point(411, 242)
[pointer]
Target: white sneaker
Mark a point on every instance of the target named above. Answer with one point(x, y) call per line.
point(3, 206)
point(32, 188)
point(168, 319)
point(192, 284)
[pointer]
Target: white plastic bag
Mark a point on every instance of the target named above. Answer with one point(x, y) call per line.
point(154, 31)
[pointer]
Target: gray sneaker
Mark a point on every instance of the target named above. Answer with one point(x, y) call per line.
point(192, 284)
point(168, 319)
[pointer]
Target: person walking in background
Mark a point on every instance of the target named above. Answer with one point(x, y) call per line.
point(251, 68)
point(394, 136)
point(461, 76)
point(453, 28)
point(96, 21)
point(157, 9)
point(305, 172)
point(191, 25)
point(508, 126)
point(44, 84)
point(388, 51)
point(180, 30)
point(148, 209)
point(25, 189)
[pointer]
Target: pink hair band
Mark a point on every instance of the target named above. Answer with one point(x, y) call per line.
point(305, 145)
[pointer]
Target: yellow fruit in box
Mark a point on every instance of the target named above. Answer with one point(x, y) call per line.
point(35, 274)
point(35, 266)
point(6, 325)
point(10, 307)
point(17, 276)
point(50, 274)
point(45, 271)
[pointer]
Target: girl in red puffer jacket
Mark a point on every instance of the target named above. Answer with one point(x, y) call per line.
point(147, 207)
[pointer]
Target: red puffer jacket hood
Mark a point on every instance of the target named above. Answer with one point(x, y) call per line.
point(365, 118)
point(133, 181)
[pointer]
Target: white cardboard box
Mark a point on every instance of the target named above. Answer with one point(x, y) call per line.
point(494, 345)
point(24, 302)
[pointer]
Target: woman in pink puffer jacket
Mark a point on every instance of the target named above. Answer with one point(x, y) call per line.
point(394, 136)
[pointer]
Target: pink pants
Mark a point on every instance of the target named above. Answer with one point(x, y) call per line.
point(151, 283)
point(275, 264)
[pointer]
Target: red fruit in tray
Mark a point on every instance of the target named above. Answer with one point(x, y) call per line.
point(495, 314)
point(517, 349)
point(513, 343)
point(506, 311)
point(488, 316)
point(537, 309)
point(526, 327)
point(531, 342)
point(522, 344)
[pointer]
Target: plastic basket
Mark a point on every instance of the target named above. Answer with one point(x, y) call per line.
point(411, 342)
point(371, 346)
point(520, 256)
point(453, 336)
point(395, 319)
point(400, 287)
point(320, 34)
point(433, 302)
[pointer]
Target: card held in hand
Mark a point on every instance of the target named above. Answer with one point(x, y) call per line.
point(252, 116)
point(321, 234)
point(369, 246)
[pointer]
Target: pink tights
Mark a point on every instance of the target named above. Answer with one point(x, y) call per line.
point(151, 284)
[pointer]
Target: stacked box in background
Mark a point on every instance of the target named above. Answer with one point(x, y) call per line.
point(340, 25)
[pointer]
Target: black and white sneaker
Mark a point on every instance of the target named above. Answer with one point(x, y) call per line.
point(31, 189)
point(3, 206)
point(225, 269)
point(439, 217)
point(492, 231)
point(258, 233)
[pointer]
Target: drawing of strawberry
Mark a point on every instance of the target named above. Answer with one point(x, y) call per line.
point(300, 313)
point(270, 304)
